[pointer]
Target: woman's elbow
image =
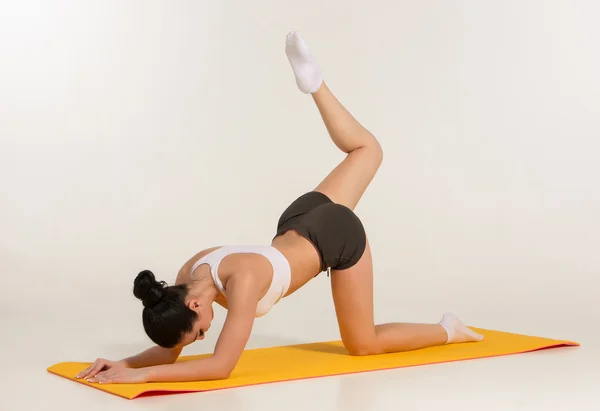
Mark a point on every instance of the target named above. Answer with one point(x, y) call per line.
point(224, 373)
point(223, 369)
point(223, 376)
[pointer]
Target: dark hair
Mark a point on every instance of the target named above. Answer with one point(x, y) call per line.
point(166, 317)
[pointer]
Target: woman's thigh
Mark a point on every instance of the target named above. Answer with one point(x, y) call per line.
point(352, 291)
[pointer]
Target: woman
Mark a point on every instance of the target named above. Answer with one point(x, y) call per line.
point(317, 232)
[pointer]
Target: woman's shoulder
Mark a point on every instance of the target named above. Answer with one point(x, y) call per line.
point(184, 272)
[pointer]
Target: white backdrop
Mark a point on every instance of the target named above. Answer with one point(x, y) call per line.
point(134, 134)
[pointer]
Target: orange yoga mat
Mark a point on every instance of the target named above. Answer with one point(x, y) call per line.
point(294, 362)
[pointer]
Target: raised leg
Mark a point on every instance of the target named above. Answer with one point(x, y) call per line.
point(352, 291)
point(353, 288)
point(347, 182)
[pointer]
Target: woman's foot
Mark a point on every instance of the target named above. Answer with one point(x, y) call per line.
point(457, 331)
point(306, 71)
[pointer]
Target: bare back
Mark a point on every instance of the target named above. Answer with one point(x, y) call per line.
point(300, 253)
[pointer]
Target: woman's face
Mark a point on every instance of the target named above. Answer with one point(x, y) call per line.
point(202, 324)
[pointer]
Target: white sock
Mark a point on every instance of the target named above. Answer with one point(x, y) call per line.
point(306, 71)
point(457, 331)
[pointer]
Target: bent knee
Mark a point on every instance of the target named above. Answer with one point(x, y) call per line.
point(375, 151)
point(362, 349)
point(370, 154)
point(378, 151)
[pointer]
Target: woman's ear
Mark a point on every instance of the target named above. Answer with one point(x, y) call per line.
point(194, 305)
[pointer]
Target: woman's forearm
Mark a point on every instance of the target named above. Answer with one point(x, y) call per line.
point(209, 368)
point(152, 357)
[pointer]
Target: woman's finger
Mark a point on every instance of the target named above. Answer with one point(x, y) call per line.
point(103, 376)
point(112, 379)
point(84, 372)
point(98, 366)
point(106, 374)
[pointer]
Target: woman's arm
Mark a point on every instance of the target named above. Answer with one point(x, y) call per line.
point(242, 300)
point(152, 357)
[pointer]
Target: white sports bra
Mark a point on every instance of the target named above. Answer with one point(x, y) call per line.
point(281, 271)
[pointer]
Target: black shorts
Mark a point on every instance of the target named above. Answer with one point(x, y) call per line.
point(335, 231)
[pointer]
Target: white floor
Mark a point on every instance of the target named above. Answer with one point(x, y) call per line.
point(559, 379)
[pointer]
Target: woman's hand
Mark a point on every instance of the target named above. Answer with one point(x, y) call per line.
point(100, 365)
point(121, 375)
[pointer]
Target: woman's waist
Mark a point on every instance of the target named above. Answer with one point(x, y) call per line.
point(302, 257)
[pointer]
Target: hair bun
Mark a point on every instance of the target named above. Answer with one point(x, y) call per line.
point(147, 289)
